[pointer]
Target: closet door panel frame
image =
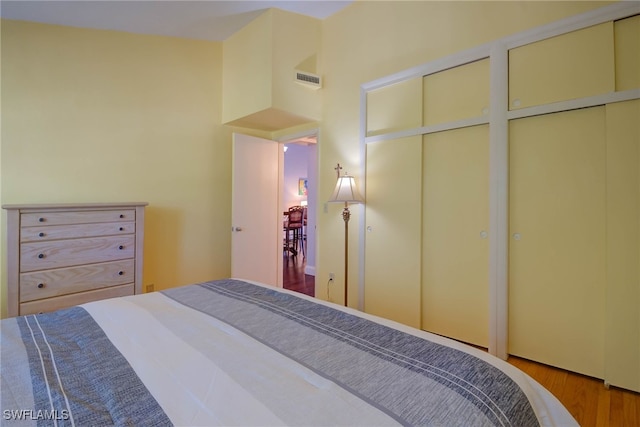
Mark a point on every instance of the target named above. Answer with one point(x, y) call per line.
point(497, 51)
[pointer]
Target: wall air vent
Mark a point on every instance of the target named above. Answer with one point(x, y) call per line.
point(308, 79)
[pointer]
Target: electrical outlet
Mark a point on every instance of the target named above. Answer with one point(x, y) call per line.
point(332, 276)
point(150, 287)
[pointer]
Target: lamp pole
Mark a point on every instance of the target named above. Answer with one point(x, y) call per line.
point(346, 214)
point(346, 192)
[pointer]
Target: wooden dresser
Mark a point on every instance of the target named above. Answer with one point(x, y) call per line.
point(59, 255)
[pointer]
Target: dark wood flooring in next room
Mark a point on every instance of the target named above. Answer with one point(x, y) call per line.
point(293, 276)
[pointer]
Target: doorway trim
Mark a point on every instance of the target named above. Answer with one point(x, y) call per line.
point(312, 197)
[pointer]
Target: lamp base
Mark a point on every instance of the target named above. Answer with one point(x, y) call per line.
point(346, 215)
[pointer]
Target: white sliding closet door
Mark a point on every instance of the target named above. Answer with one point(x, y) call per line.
point(555, 111)
point(393, 211)
point(622, 343)
point(455, 246)
point(557, 253)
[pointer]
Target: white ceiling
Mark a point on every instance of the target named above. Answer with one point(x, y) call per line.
point(206, 19)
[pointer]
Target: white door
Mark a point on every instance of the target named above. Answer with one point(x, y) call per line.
point(256, 243)
point(557, 252)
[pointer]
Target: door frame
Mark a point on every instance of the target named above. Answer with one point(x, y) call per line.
point(312, 198)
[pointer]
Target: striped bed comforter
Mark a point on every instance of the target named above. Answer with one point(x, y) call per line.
point(235, 353)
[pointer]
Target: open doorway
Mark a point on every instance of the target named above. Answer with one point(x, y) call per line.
point(299, 191)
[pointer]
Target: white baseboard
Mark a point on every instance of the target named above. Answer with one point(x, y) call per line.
point(310, 270)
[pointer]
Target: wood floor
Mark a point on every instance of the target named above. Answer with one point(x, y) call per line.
point(293, 276)
point(587, 399)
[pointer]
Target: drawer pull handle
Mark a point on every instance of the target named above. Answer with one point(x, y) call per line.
point(121, 229)
point(41, 234)
point(121, 247)
point(40, 256)
point(40, 285)
point(121, 215)
point(120, 273)
point(41, 219)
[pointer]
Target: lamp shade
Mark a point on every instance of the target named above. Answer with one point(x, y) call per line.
point(346, 191)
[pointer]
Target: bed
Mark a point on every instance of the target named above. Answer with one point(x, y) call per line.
point(231, 352)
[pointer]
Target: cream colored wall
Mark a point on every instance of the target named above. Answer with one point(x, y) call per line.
point(259, 62)
point(369, 40)
point(297, 41)
point(99, 116)
point(137, 117)
point(247, 68)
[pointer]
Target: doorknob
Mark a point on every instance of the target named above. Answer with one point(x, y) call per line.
point(238, 229)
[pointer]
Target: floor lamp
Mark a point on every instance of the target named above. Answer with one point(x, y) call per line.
point(346, 192)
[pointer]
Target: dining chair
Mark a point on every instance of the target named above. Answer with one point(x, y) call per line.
point(295, 226)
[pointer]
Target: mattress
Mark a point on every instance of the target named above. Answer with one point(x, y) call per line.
point(231, 352)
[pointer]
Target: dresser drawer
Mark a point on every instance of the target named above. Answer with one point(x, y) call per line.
point(66, 253)
point(54, 232)
point(78, 217)
point(62, 254)
point(56, 303)
point(62, 281)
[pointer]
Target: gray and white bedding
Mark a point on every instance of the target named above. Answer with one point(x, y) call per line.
point(230, 352)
